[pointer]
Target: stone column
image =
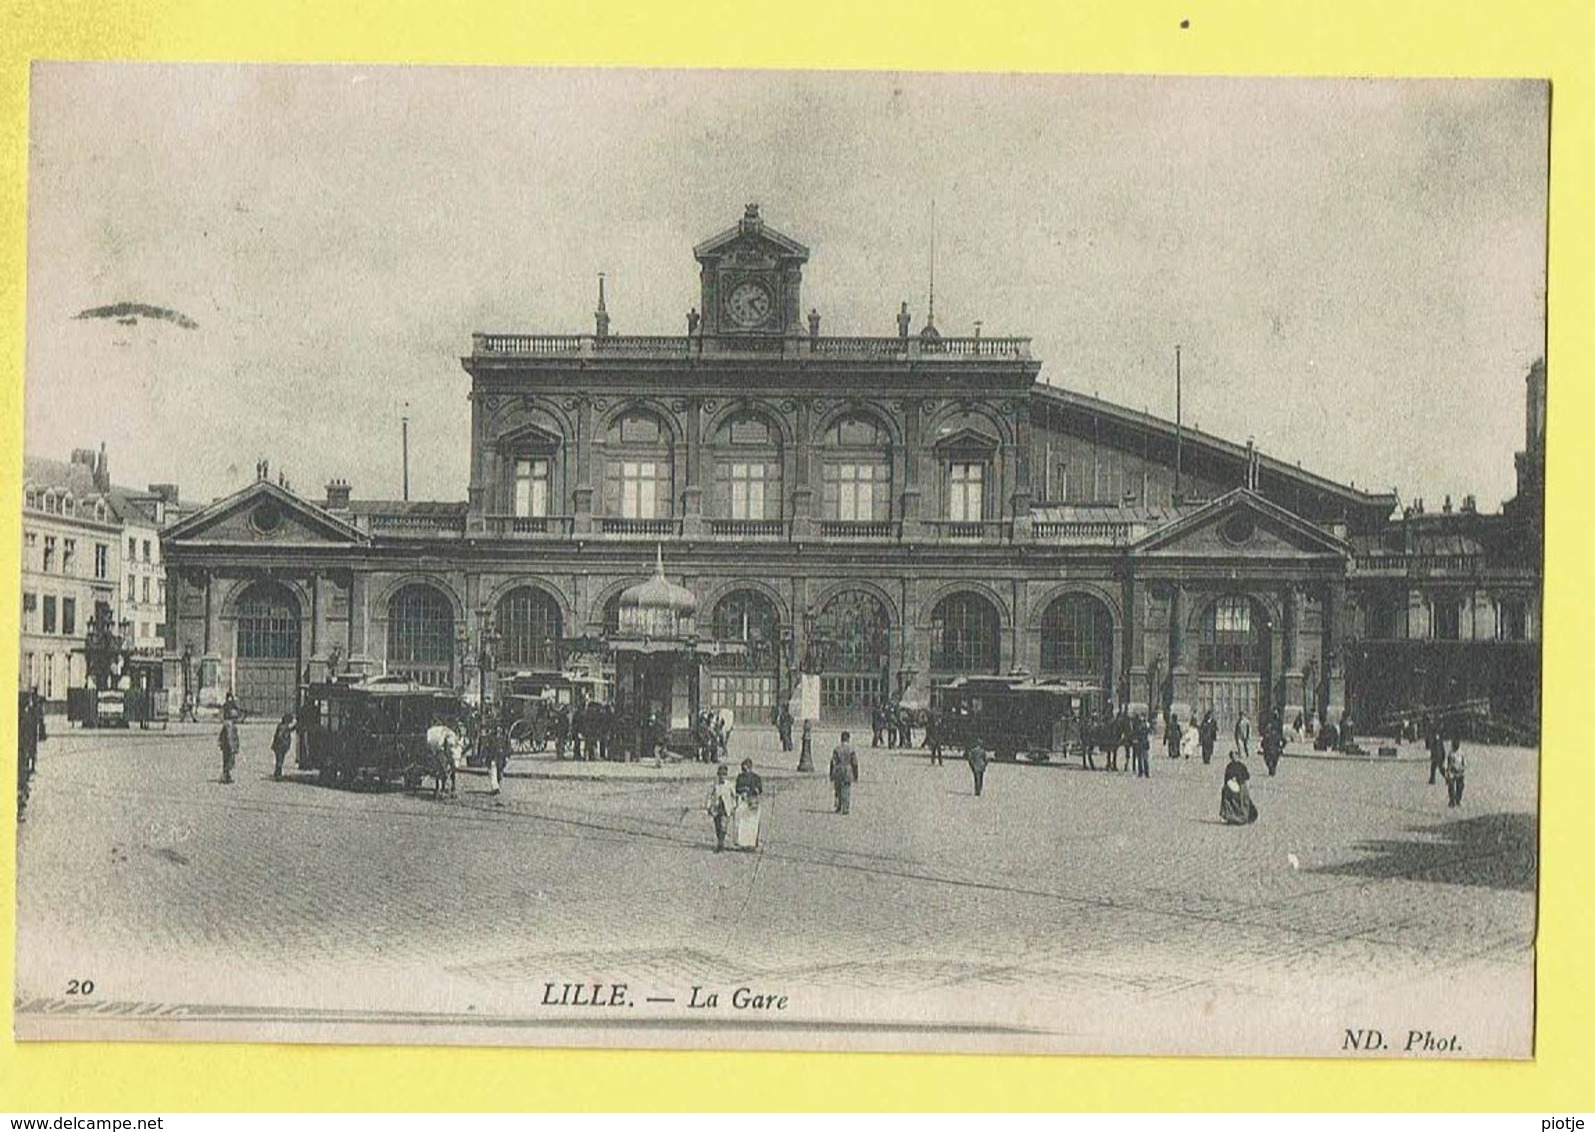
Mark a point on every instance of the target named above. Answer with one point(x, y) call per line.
point(1183, 680)
point(1335, 640)
point(1018, 644)
point(1021, 463)
point(476, 505)
point(692, 523)
point(913, 503)
point(1141, 651)
point(1295, 682)
point(803, 525)
point(582, 496)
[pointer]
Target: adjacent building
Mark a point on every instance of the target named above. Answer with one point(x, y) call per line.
point(879, 514)
point(89, 548)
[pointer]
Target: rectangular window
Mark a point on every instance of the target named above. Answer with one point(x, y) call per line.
point(1512, 621)
point(30, 611)
point(966, 500)
point(160, 590)
point(49, 677)
point(30, 543)
point(747, 491)
point(132, 589)
point(1448, 620)
point(132, 549)
point(639, 489)
point(855, 493)
point(146, 591)
point(102, 560)
point(69, 616)
point(30, 674)
point(49, 613)
point(49, 554)
point(69, 556)
point(531, 488)
point(146, 550)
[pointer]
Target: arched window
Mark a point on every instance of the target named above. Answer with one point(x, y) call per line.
point(1077, 640)
point(856, 467)
point(1231, 636)
point(529, 621)
point(748, 680)
point(748, 617)
point(639, 467)
point(747, 469)
point(965, 635)
point(421, 636)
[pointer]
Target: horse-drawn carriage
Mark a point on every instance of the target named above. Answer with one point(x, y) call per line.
point(535, 708)
point(375, 730)
point(1018, 715)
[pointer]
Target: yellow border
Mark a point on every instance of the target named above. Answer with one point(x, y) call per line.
point(1547, 38)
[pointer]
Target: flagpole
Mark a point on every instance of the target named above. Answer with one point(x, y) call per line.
point(1179, 426)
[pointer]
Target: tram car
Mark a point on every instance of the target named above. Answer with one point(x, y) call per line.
point(1014, 716)
point(373, 730)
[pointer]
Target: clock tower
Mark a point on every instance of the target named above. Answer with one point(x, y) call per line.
point(752, 280)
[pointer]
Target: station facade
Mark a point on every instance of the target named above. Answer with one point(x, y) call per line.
point(880, 513)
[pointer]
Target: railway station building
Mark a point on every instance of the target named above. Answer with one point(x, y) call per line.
point(881, 514)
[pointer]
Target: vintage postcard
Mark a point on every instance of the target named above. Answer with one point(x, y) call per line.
point(782, 560)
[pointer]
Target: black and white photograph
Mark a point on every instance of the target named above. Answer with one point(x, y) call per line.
point(782, 560)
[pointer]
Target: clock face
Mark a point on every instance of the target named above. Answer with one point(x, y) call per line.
point(749, 304)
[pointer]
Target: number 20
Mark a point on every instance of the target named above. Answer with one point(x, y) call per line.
point(80, 986)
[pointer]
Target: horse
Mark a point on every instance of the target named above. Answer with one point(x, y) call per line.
point(445, 751)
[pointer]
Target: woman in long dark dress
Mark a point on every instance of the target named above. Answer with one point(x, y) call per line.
point(1235, 805)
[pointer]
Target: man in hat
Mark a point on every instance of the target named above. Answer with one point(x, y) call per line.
point(722, 800)
point(281, 740)
point(844, 772)
point(228, 741)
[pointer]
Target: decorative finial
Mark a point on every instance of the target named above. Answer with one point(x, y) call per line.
point(659, 560)
point(751, 212)
point(601, 315)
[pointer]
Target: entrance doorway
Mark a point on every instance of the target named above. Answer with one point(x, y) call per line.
point(1233, 662)
point(851, 650)
point(266, 671)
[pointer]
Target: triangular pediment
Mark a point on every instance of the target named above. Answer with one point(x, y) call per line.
point(749, 241)
point(263, 513)
point(966, 438)
point(1241, 523)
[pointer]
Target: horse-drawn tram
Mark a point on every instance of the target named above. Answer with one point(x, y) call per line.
point(374, 730)
point(1018, 715)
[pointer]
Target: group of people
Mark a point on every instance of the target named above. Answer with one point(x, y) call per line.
point(734, 807)
point(1446, 760)
point(892, 726)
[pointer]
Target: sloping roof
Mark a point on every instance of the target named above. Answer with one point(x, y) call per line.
point(1068, 398)
point(757, 230)
point(40, 472)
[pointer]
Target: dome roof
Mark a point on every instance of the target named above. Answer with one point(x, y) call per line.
point(659, 593)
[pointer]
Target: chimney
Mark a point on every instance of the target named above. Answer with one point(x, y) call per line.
point(102, 470)
point(338, 495)
point(1470, 504)
point(165, 492)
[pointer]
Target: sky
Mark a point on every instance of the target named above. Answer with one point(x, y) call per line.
point(1353, 269)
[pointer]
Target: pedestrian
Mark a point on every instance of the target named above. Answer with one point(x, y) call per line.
point(722, 801)
point(228, 741)
point(1172, 734)
point(1273, 747)
point(1435, 741)
point(806, 752)
point(1207, 731)
point(844, 772)
point(231, 708)
point(1141, 746)
point(933, 736)
point(745, 818)
point(783, 725)
point(1235, 806)
point(281, 740)
point(1243, 735)
point(1456, 769)
point(877, 725)
point(975, 756)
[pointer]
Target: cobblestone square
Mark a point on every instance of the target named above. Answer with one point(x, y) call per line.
point(1063, 909)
